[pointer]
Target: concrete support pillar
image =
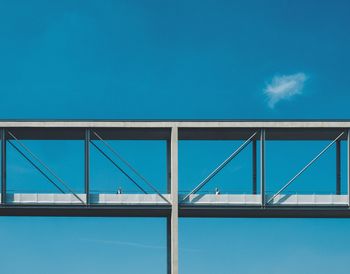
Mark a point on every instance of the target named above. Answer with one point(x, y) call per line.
point(262, 166)
point(338, 168)
point(3, 166)
point(172, 220)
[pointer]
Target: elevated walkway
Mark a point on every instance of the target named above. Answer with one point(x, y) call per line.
point(194, 200)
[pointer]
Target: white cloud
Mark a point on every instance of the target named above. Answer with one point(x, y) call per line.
point(284, 87)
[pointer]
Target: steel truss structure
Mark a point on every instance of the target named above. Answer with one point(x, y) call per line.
point(172, 205)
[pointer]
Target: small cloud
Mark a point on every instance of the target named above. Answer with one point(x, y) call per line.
point(284, 87)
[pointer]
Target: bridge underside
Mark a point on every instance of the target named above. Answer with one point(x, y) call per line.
point(184, 211)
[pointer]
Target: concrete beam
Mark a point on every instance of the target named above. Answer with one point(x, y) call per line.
point(186, 130)
point(176, 123)
point(258, 212)
point(84, 211)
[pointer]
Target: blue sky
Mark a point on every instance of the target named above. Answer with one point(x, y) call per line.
point(174, 60)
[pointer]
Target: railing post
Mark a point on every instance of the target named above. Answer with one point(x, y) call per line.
point(262, 167)
point(172, 220)
point(87, 166)
point(3, 166)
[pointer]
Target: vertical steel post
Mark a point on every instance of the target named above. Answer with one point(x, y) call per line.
point(172, 220)
point(348, 171)
point(254, 166)
point(338, 167)
point(87, 165)
point(262, 166)
point(168, 165)
point(3, 166)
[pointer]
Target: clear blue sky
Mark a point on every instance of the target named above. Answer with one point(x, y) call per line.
point(174, 60)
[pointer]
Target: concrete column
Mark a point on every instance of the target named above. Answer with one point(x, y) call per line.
point(172, 220)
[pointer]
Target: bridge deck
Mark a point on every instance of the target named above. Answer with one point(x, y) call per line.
point(244, 200)
point(197, 205)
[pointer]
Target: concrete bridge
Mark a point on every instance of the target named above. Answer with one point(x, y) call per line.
point(172, 205)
